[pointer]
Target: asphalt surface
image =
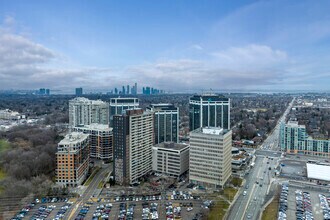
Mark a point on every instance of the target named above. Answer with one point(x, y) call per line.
point(272, 141)
point(248, 206)
point(252, 196)
point(89, 191)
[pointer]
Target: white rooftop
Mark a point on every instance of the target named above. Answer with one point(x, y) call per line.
point(212, 130)
point(317, 171)
point(96, 126)
point(86, 100)
point(74, 137)
point(295, 124)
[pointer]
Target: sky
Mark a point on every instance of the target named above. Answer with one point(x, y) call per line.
point(177, 46)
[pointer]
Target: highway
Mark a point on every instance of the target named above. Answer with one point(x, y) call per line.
point(258, 181)
point(272, 141)
point(256, 186)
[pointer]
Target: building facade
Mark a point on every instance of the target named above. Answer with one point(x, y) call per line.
point(79, 91)
point(72, 159)
point(210, 156)
point(100, 140)
point(83, 111)
point(166, 122)
point(209, 111)
point(119, 105)
point(133, 134)
point(170, 158)
point(294, 139)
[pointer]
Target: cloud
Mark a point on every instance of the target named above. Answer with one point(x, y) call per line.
point(29, 65)
point(25, 64)
point(251, 57)
point(197, 47)
point(234, 68)
point(18, 51)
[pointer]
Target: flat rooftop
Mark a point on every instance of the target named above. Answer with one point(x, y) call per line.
point(86, 100)
point(171, 146)
point(210, 131)
point(126, 100)
point(318, 171)
point(295, 124)
point(162, 106)
point(73, 138)
point(96, 126)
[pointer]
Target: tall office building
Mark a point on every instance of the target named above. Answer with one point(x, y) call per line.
point(127, 90)
point(79, 91)
point(133, 139)
point(100, 140)
point(166, 122)
point(118, 105)
point(42, 91)
point(210, 156)
point(83, 111)
point(209, 111)
point(148, 90)
point(72, 159)
point(135, 89)
point(294, 139)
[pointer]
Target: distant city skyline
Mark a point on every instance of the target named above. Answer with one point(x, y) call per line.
point(186, 46)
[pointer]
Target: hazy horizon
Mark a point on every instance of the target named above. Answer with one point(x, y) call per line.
point(174, 46)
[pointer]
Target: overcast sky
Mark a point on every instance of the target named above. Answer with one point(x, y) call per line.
point(172, 45)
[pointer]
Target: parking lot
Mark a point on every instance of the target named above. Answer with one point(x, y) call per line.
point(44, 209)
point(303, 201)
point(140, 209)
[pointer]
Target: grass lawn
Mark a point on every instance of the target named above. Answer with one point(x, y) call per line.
point(2, 174)
point(271, 210)
point(4, 145)
point(230, 193)
point(218, 211)
point(88, 181)
point(101, 184)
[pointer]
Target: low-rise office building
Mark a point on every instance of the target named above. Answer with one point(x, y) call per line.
point(170, 158)
point(72, 159)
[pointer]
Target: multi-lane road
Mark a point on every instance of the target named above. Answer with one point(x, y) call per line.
point(272, 142)
point(257, 186)
point(89, 191)
point(258, 182)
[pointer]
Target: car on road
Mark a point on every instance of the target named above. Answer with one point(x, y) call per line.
point(244, 193)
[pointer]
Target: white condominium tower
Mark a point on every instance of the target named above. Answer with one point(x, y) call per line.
point(83, 111)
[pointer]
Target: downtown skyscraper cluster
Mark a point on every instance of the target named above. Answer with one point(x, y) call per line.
point(141, 141)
